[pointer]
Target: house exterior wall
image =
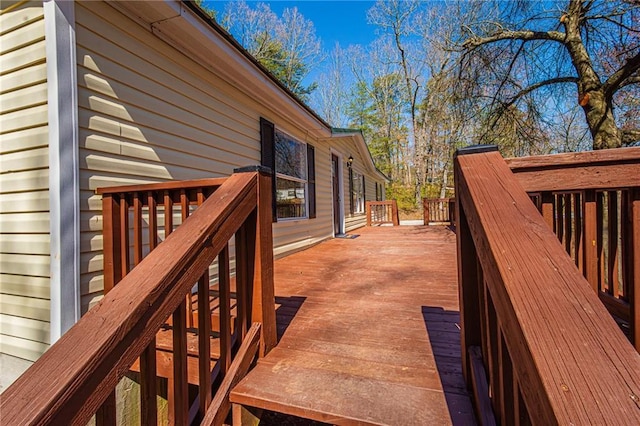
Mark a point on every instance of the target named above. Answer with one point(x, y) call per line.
point(24, 182)
point(146, 112)
point(347, 147)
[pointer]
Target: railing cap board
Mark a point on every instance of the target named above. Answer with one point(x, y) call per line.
point(159, 186)
point(254, 169)
point(69, 382)
point(475, 149)
point(573, 363)
point(593, 170)
point(569, 159)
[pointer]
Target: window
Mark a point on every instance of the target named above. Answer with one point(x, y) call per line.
point(291, 177)
point(294, 186)
point(357, 192)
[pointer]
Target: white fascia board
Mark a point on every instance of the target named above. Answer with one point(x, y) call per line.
point(180, 27)
point(64, 192)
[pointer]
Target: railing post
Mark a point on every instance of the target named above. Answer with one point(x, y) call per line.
point(396, 218)
point(263, 296)
point(111, 233)
point(452, 211)
point(368, 209)
point(425, 211)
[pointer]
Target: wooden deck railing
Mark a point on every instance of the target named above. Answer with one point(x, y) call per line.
point(439, 211)
point(538, 346)
point(591, 200)
point(382, 213)
point(78, 375)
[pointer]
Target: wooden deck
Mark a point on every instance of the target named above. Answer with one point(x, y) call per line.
point(368, 333)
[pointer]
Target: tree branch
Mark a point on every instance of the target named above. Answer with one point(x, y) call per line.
point(631, 80)
point(618, 78)
point(527, 90)
point(630, 136)
point(525, 35)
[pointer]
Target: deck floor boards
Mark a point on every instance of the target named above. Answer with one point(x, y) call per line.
point(369, 333)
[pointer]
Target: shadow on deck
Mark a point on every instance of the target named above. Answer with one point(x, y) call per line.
point(369, 333)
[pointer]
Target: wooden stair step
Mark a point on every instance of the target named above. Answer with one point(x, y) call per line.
point(164, 355)
point(322, 395)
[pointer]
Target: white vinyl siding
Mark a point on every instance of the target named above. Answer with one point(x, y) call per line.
point(148, 113)
point(24, 182)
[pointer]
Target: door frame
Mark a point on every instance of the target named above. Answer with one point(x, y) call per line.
point(341, 220)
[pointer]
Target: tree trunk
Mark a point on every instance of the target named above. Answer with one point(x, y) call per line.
point(602, 125)
point(445, 180)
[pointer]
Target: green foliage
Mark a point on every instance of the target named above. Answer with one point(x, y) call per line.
point(285, 46)
point(206, 9)
point(403, 195)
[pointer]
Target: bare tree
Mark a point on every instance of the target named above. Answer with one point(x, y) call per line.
point(525, 51)
point(397, 19)
point(288, 46)
point(331, 97)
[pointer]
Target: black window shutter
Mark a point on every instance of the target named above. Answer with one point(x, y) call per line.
point(311, 179)
point(351, 192)
point(268, 157)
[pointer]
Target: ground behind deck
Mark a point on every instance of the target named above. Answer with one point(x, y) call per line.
point(369, 333)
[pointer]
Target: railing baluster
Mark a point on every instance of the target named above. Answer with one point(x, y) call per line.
point(180, 378)
point(578, 234)
point(245, 256)
point(560, 206)
point(568, 236)
point(633, 262)
point(148, 367)
point(106, 414)
point(184, 208)
point(111, 240)
point(224, 297)
point(148, 390)
point(548, 210)
point(494, 360)
point(590, 239)
point(124, 235)
point(600, 240)
point(168, 214)
point(612, 240)
point(204, 344)
point(137, 229)
point(506, 382)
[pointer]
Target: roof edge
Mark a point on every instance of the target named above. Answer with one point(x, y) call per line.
point(193, 6)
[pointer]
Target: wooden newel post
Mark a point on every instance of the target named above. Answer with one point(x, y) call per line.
point(425, 211)
point(368, 204)
point(111, 231)
point(263, 308)
point(396, 218)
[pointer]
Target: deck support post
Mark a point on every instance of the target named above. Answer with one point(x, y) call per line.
point(245, 416)
point(263, 296)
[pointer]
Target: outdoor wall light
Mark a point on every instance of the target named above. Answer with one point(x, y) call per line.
point(350, 161)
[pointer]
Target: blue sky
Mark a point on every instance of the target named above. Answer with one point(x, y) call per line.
point(343, 22)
